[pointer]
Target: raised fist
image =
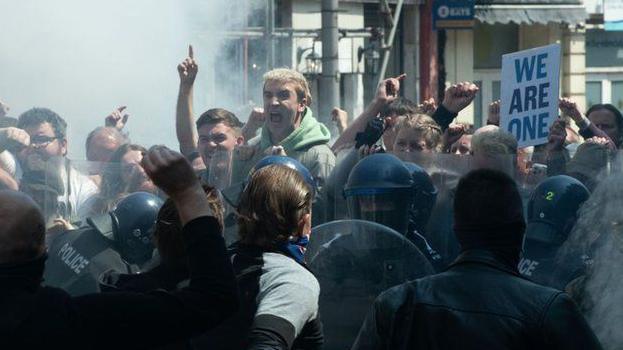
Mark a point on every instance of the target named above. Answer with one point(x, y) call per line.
point(13, 138)
point(459, 96)
point(427, 107)
point(340, 118)
point(557, 136)
point(169, 170)
point(569, 108)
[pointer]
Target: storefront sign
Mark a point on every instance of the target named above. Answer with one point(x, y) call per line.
point(529, 96)
point(453, 14)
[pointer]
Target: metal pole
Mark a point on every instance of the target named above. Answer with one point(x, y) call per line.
point(329, 79)
point(390, 41)
point(269, 31)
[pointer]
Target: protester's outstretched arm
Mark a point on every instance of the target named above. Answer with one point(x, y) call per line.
point(386, 92)
point(157, 318)
point(587, 130)
point(557, 156)
point(456, 98)
point(184, 122)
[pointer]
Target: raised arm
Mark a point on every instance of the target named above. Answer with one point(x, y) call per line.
point(158, 318)
point(386, 92)
point(455, 99)
point(184, 122)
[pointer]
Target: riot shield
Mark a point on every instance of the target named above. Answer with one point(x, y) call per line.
point(354, 262)
point(445, 171)
point(219, 169)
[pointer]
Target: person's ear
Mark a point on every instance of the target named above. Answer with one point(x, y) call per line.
point(302, 105)
point(240, 140)
point(63, 144)
point(304, 225)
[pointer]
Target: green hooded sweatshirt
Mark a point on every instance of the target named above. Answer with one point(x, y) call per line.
point(309, 133)
point(308, 144)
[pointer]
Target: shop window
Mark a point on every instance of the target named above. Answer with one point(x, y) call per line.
point(617, 94)
point(593, 93)
point(604, 49)
point(493, 41)
point(496, 88)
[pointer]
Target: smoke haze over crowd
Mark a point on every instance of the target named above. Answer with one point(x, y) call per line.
point(82, 59)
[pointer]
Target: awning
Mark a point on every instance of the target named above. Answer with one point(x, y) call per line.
point(531, 14)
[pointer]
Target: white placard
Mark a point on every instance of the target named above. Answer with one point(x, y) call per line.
point(529, 96)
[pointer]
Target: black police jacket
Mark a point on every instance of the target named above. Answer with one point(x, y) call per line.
point(77, 258)
point(37, 317)
point(479, 302)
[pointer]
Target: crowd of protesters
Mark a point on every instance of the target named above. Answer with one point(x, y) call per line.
point(478, 243)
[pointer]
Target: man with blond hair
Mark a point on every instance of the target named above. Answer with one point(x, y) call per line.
point(290, 124)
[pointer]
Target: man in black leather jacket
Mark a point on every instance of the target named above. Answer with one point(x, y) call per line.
point(481, 301)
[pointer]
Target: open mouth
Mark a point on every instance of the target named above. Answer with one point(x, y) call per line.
point(275, 117)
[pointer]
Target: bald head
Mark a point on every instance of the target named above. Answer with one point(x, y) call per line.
point(103, 142)
point(22, 232)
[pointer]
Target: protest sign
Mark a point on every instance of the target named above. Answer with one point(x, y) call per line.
point(529, 96)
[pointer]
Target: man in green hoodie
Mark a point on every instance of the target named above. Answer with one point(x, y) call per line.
point(290, 124)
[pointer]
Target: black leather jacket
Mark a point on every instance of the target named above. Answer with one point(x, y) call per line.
point(479, 302)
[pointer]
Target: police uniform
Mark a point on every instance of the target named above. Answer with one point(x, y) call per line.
point(77, 258)
point(541, 264)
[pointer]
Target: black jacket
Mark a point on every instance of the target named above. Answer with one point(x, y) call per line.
point(39, 317)
point(479, 302)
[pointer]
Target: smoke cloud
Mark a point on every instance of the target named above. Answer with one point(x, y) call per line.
point(82, 59)
point(599, 233)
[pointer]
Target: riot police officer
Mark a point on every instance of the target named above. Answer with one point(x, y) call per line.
point(383, 189)
point(552, 213)
point(119, 241)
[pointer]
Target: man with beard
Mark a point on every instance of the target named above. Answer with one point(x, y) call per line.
point(41, 137)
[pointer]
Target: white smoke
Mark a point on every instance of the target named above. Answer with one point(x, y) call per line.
point(599, 232)
point(82, 58)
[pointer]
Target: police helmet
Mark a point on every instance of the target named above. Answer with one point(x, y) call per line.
point(425, 194)
point(552, 209)
point(380, 189)
point(133, 221)
point(288, 162)
point(232, 193)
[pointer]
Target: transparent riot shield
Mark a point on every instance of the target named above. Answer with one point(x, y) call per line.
point(335, 183)
point(445, 171)
point(219, 169)
point(354, 262)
